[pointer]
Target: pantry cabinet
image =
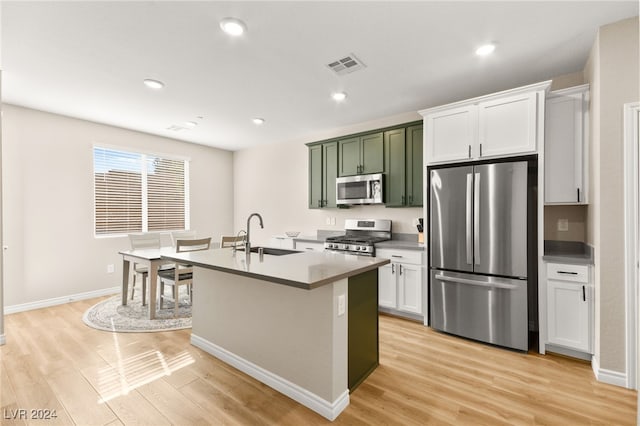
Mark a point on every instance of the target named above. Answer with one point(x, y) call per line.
point(497, 125)
point(570, 305)
point(565, 146)
point(400, 282)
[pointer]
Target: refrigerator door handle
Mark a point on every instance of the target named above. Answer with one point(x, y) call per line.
point(476, 219)
point(469, 210)
point(441, 277)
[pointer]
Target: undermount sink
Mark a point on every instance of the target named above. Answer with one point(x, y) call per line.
point(272, 251)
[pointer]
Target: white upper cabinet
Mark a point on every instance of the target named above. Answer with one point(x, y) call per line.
point(507, 125)
point(452, 133)
point(565, 146)
point(498, 125)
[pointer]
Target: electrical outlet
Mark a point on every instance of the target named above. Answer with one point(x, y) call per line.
point(111, 268)
point(341, 305)
point(328, 220)
point(563, 225)
point(333, 220)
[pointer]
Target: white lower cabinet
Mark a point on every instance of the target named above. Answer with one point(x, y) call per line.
point(400, 282)
point(570, 307)
point(281, 241)
point(308, 246)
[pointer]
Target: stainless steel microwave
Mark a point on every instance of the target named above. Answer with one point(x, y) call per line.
point(361, 189)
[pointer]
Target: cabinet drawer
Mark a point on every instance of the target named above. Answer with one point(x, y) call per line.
point(308, 246)
point(566, 272)
point(402, 256)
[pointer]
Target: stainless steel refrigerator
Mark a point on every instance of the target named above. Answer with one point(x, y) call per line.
point(478, 244)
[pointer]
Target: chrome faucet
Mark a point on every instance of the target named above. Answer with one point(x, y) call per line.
point(247, 244)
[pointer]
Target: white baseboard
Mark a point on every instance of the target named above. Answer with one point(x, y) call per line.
point(329, 410)
point(608, 376)
point(60, 300)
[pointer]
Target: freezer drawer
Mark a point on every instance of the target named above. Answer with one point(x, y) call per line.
point(489, 309)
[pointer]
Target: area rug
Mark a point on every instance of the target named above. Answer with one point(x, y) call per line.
point(110, 315)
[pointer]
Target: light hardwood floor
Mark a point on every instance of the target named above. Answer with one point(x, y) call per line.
point(52, 361)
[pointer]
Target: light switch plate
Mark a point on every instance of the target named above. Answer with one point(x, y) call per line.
point(111, 268)
point(563, 225)
point(341, 305)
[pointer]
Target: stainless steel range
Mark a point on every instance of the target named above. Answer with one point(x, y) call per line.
point(360, 237)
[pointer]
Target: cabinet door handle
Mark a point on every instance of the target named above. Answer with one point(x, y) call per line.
point(395, 255)
point(469, 151)
point(410, 200)
point(584, 296)
point(319, 203)
point(403, 199)
point(393, 268)
point(567, 273)
point(324, 203)
point(480, 150)
point(400, 269)
point(578, 190)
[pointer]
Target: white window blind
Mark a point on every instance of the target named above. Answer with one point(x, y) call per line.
point(138, 192)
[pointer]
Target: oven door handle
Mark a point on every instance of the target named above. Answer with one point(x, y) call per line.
point(441, 277)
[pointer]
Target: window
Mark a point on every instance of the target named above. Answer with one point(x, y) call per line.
point(139, 192)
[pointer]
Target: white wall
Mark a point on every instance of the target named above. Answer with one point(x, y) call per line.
point(273, 181)
point(47, 179)
point(612, 71)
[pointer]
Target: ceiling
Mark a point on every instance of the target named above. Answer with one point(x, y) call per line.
point(88, 60)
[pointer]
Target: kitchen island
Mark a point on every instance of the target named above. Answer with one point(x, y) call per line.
point(305, 324)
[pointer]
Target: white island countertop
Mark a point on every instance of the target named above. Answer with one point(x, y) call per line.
point(306, 270)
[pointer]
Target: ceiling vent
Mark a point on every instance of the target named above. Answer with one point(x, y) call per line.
point(346, 65)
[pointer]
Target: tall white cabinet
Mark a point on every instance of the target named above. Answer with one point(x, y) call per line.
point(566, 149)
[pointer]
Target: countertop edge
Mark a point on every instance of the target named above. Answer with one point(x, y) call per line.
point(574, 260)
point(283, 281)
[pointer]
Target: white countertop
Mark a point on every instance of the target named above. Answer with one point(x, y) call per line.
point(307, 270)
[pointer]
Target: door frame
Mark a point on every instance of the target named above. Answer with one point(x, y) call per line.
point(632, 237)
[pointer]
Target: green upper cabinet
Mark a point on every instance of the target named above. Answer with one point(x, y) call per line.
point(371, 147)
point(330, 173)
point(361, 155)
point(349, 157)
point(403, 167)
point(394, 166)
point(414, 165)
point(323, 170)
point(315, 177)
point(395, 151)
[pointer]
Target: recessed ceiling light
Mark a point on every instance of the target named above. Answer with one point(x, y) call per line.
point(339, 96)
point(233, 26)
point(258, 121)
point(190, 123)
point(485, 49)
point(153, 84)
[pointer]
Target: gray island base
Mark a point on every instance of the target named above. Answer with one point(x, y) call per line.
point(305, 324)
